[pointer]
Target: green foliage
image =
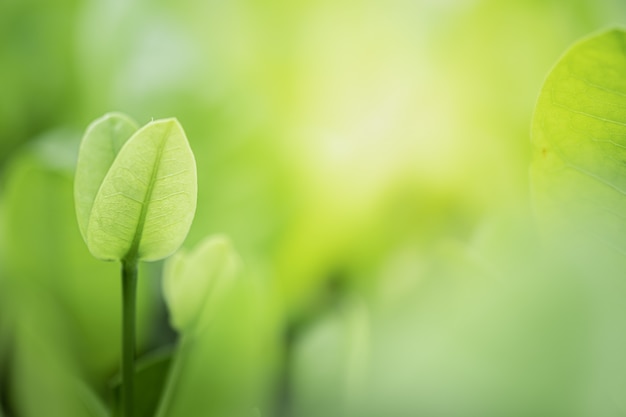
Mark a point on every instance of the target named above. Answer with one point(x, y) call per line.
point(44, 368)
point(353, 151)
point(579, 143)
point(100, 145)
point(47, 255)
point(193, 283)
point(151, 373)
point(226, 330)
point(336, 385)
point(135, 194)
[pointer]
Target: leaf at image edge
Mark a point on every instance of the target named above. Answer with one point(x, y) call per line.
point(579, 143)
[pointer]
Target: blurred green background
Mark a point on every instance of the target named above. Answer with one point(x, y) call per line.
point(367, 158)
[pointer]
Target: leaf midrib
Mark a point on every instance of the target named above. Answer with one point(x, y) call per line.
point(133, 251)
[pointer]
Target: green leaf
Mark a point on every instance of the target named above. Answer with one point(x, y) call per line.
point(100, 145)
point(579, 143)
point(46, 377)
point(146, 202)
point(194, 282)
point(227, 334)
point(38, 222)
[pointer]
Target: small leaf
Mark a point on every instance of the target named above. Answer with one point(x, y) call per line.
point(38, 222)
point(579, 143)
point(146, 202)
point(227, 334)
point(193, 282)
point(100, 145)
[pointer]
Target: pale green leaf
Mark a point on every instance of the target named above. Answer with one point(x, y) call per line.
point(100, 145)
point(193, 282)
point(44, 253)
point(227, 334)
point(579, 143)
point(46, 374)
point(146, 202)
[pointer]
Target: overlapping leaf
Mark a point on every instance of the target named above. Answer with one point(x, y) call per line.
point(135, 192)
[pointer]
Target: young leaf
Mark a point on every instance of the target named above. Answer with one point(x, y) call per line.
point(38, 219)
point(146, 202)
point(226, 347)
point(100, 145)
point(579, 142)
point(193, 283)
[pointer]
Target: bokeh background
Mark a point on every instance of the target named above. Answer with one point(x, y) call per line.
point(368, 160)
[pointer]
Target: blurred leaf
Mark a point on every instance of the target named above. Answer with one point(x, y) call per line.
point(193, 283)
point(579, 144)
point(102, 142)
point(91, 401)
point(484, 338)
point(146, 202)
point(222, 361)
point(36, 35)
point(45, 375)
point(331, 364)
point(150, 375)
point(44, 253)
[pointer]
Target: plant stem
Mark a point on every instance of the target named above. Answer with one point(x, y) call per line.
point(129, 290)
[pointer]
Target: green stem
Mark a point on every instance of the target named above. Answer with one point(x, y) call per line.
point(129, 290)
